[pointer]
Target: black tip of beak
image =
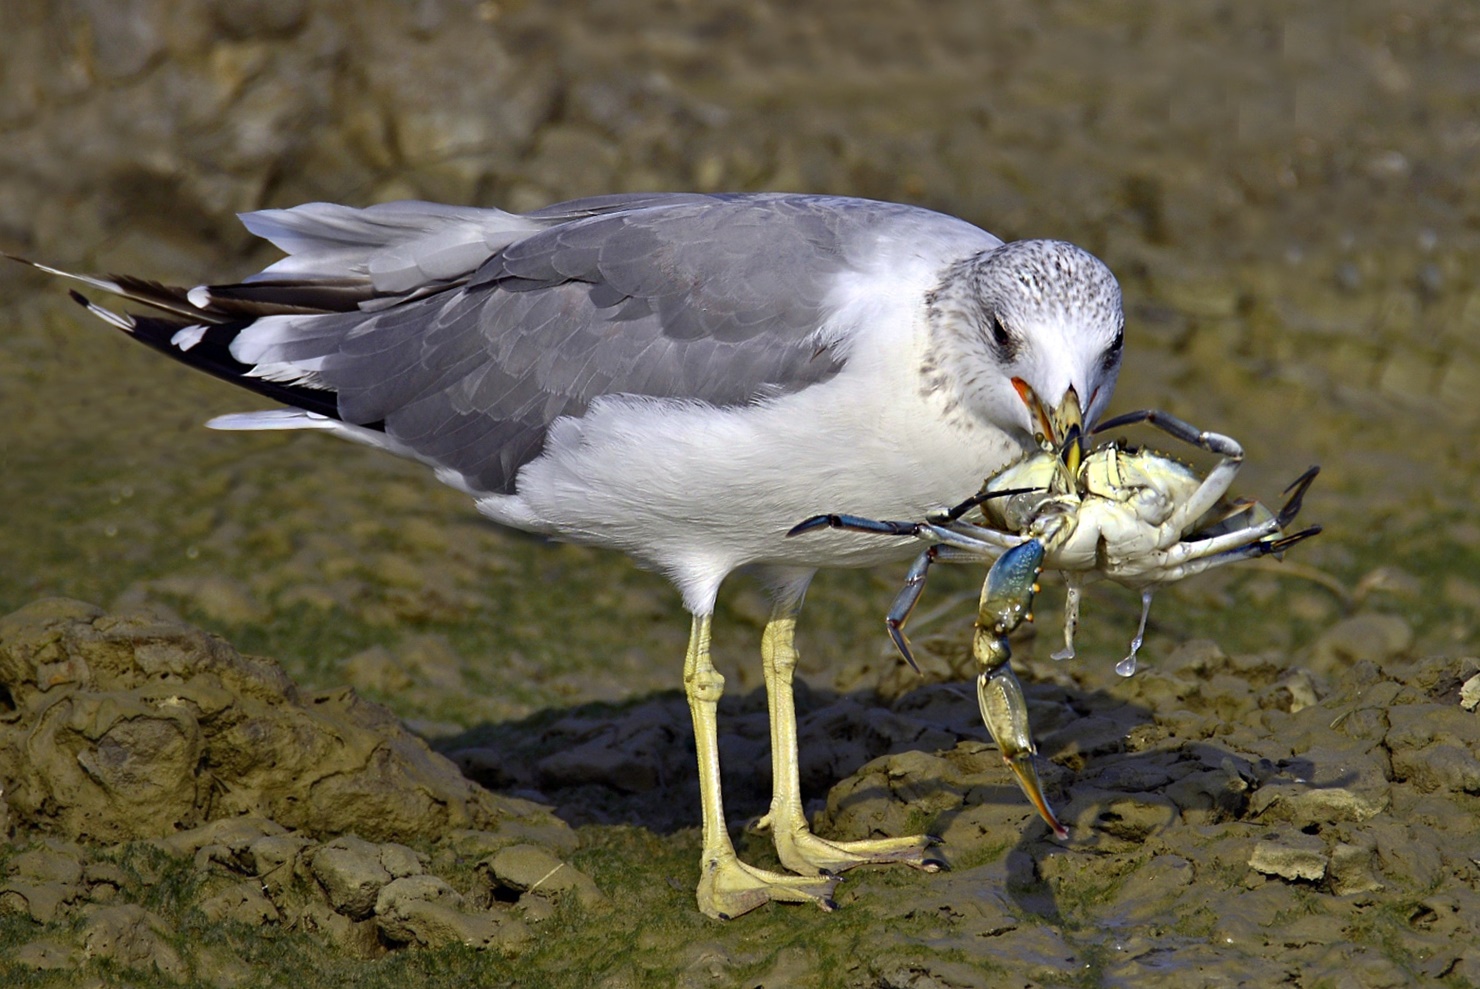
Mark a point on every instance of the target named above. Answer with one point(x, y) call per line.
point(1071, 451)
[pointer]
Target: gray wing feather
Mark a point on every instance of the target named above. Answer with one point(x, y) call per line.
point(714, 298)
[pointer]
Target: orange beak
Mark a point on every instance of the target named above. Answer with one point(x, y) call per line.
point(1059, 428)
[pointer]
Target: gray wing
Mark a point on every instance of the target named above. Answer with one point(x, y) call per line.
point(713, 298)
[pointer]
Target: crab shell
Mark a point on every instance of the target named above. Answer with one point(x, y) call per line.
point(1110, 514)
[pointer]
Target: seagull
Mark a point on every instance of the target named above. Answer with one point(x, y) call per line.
point(681, 377)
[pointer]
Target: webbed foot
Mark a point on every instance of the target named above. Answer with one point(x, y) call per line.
point(729, 888)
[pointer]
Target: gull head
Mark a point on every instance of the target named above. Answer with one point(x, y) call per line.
point(1027, 337)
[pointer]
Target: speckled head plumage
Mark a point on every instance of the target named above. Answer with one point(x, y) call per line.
point(1044, 314)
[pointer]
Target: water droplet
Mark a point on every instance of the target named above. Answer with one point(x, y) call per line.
point(1126, 667)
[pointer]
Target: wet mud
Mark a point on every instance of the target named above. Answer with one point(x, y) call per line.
point(320, 725)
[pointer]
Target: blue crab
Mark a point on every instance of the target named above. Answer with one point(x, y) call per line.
point(1129, 515)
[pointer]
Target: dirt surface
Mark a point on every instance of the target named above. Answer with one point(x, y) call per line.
point(1284, 794)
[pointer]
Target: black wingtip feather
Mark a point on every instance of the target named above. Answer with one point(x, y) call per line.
point(212, 354)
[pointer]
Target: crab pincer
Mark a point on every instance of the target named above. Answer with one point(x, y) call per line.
point(1006, 602)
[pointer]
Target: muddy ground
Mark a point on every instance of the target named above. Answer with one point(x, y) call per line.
point(240, 673)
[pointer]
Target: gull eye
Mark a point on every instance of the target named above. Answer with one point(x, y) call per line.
point(1000, 336)
point(1112, 353)
point(1007, 344)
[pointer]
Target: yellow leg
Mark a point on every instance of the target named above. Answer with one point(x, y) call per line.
point(798, 848)
point(728, 887)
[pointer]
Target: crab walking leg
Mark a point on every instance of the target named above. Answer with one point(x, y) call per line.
point(952, 542)
point(914, 585)
point(1196, 555)
point(1074, 588)
point(1127, 666)
point(1006, 602)
point(798, 848)
point(904, 605)
point(727, 886)
point(1172, 570)
point(1219, 479)
point(981, 497)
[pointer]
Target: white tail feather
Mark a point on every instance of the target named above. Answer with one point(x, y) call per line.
point(274, 419)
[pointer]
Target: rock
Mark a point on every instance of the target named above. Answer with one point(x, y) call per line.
point(42, 902)
point(52, 862)
point(1408, 854)
point(1441, 766)
point(528, 869)
point(1373, 637)
point(1413, 726)
point(1210, 796)
point(349, 869)
point(425, 910)
point(1193, 658)
point(1442, 677)
point(1469, 693)
point(1433, 747)
point(1290, 856)
point(360, 938)
point(222, 839)
point(1350, 868)
point(1342, 783)
point(274, 860)
point(401, 861)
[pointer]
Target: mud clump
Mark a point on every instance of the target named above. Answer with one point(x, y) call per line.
point(123, 728)
point(277, 806)
point(1204, 800)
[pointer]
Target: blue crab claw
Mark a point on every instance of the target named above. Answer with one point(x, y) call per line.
point(1007, 595)
point(1007, 601)
point(1005, 711)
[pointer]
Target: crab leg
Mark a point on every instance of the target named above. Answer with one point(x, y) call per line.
point(1215, 485)
point(933, 524)
point(1006, 602)
point(1005, 711)
point(856, 523)
point(1127, 666)
point(953, 514)
point(1074, 585)
point(961, 543)
point(904, 605)
point(1245, 551)
point(1295, 495)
